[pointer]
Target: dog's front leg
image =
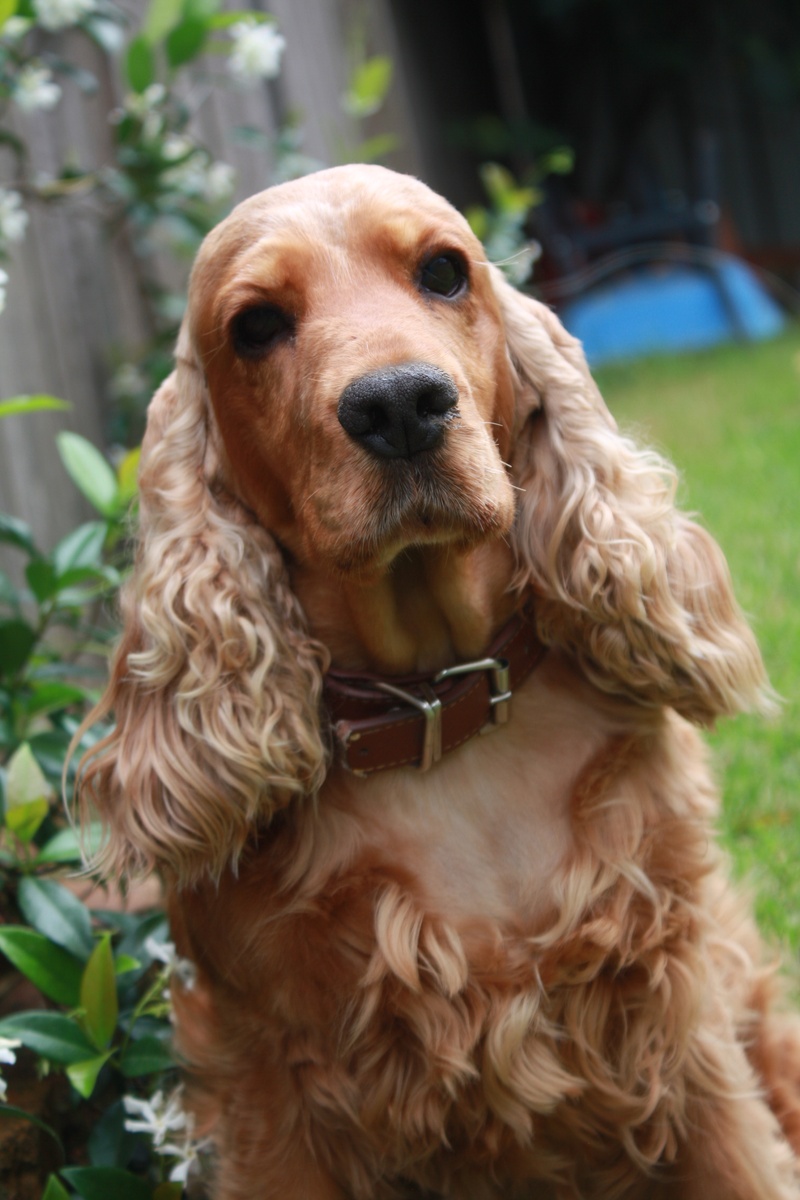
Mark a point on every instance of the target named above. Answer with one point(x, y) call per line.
point(734, 1148)
point(265, 1153)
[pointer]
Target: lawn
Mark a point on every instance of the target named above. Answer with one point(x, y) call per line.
point(730, 420)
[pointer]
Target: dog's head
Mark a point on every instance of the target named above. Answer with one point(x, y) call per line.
point(347, 329)
point(353, 378)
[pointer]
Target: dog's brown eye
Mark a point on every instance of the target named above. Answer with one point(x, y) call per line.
point(256, 330)
point(446, 275)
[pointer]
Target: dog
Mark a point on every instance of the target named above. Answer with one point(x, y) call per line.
point(414, 652)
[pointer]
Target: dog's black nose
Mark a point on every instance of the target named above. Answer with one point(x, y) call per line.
point(396, 412)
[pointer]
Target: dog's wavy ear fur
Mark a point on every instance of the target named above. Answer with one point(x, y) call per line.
point(215, 685)
point(640, 594)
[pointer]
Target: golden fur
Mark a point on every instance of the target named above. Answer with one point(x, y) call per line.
point(523, 973)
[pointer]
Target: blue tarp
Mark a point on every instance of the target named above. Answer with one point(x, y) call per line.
point(664, 307)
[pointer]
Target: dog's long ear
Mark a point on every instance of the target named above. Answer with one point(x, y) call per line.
point(215, 685)
point(638, 592)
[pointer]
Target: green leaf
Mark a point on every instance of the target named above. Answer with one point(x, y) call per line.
point(10, 597)
point(110, 1142)
point(368, 86)
point(127, 471)
point(16, 533)
point(51, 969)
point(224, 20)
point(99, 994)
point(186, 41)
point(65, 846)
point(148, 1056)
point(50, 1035)
point(17, 640)
point(168, 1191)
point(56, 913)
point(25, 781)
point(81, 548)
point(89, 471)
point(124, 963)
point(28, 794)
point(478, 219)
point(162, 15)
point(97, 579)
point(50, 747)
point(26, 404)
point(55, 1190)
point(376, 148)
point(140, 65)
point(559, 161)
point(51, 696)
point(41, 578)
point(25, 822)
point(101, 1183)
point(7, 9)
point(83, 1075)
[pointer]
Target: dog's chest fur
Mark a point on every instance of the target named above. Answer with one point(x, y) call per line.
point(421, 998)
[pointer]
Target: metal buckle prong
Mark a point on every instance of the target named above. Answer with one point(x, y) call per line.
point(500, 685)
point(431, 707)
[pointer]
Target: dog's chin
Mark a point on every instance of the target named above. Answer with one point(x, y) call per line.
point(436, 511)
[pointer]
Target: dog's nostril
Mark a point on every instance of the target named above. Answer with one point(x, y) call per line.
point(430, 402)
point(400, 411)
point(378, 419)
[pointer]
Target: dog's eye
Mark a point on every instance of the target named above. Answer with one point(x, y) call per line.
point(446, 275)
point(256, 330)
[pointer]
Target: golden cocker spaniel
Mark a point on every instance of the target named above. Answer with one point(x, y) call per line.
point(413, 651)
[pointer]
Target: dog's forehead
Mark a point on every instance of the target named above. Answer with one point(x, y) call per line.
point(354, 208)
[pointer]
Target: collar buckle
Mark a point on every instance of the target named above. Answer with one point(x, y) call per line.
point(431, 709)
point(499, 686)
point(430, 705)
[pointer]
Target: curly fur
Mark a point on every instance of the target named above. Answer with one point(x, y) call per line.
point(523, 973)
point(638, 592)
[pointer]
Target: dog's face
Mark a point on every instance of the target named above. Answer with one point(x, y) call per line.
point(357, 368)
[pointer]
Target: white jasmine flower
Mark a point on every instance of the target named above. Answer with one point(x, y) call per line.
point(219, 183)
point(13, 218)
point(175, 146)
point(183, 968)
point(188, 1154)
point(164, 952)
point(195, 176)
point(144, 107)
point(3, 283)
point(7, 1055)
point(140, 103)
point(127, 380)
point(7, 1048)
point(257, 50)
point(158, 1116)
point(58, 14)
point(14, 29)
point(35, 88)
point(188, 177)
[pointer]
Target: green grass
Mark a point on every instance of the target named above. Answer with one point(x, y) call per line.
point(730, 420)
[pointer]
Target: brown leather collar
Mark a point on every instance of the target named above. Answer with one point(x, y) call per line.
point(415, 719)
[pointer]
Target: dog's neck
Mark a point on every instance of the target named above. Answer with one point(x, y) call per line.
point(432, 607)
